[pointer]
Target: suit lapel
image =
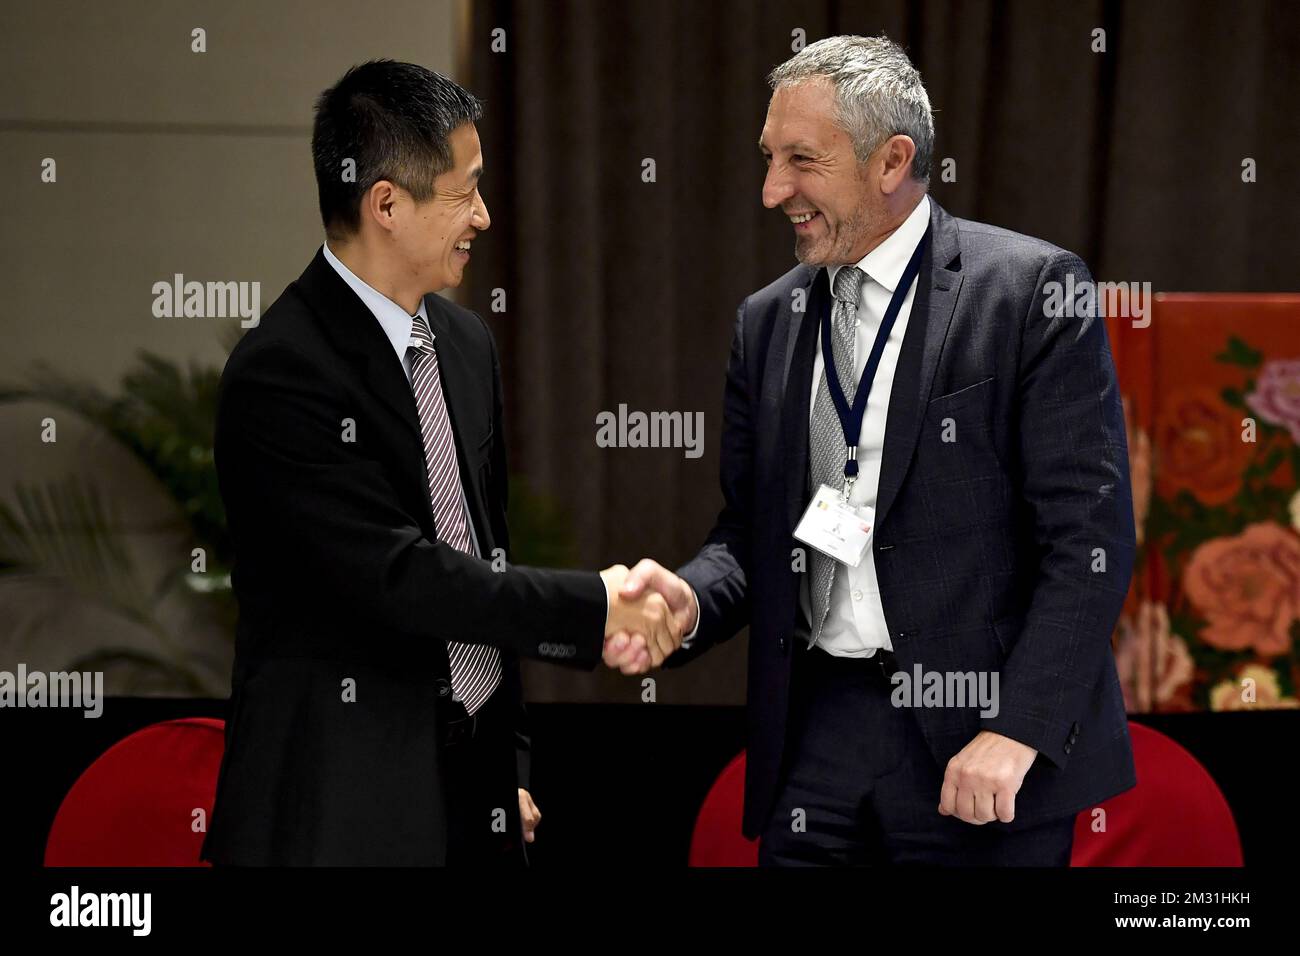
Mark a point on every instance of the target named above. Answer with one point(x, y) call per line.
point(357, 334)
point(469, 413)
point(927, 328)
point(938, 286)
point(801, 345)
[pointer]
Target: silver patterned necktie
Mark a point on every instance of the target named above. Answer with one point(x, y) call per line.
point(827, 451)
point(475, 668)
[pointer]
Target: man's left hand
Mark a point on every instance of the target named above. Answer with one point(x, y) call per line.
point(982, 780)
point(529, 815)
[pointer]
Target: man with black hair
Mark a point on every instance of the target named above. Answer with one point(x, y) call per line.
point(376, 715)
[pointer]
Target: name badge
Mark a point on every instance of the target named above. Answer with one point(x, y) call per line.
point(836, 528)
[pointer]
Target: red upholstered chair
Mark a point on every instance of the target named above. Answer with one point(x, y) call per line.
point(134, 806)
point(1175, 816)
point(717, 840)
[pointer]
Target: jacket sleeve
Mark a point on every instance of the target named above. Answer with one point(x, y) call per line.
point(306, 496)
point(1074, 480)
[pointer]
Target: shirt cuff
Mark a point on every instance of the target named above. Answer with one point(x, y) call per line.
point(602, 580)
point(686, 641)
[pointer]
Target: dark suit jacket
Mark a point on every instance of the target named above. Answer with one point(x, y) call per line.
point(340, 576)
point(986, 547)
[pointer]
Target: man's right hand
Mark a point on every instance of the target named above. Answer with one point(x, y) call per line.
point(626, 650)
point(649, 575)
point(641, 628)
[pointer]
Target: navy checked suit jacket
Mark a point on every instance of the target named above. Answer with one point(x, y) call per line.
point(1008, 549)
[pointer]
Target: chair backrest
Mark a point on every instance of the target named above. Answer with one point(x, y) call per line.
point(717, 840)
point(138, 803)
point(1175, 816)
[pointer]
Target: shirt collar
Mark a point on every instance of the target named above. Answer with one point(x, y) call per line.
point(886, 262)
point(393, 319)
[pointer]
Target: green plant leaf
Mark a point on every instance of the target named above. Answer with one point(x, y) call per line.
point(63, 531)
point(1238, 352)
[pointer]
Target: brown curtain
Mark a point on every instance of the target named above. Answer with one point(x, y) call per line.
point(620, 291)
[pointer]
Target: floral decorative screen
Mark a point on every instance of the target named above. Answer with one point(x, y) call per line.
point(1211, 391)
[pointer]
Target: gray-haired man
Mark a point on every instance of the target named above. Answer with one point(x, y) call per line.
point(930, 573)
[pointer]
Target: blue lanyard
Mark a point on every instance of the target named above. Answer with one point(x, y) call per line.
point(851, 418)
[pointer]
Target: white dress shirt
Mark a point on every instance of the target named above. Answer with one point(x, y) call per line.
point(855, 622)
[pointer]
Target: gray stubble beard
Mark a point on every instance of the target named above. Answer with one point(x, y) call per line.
point(854, 228)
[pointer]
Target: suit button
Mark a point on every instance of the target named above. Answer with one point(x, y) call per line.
point(1067, 748)
point(444, 687)
point(1074, 728)
point(781, 644)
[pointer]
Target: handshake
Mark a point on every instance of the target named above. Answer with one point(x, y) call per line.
point(650, 611)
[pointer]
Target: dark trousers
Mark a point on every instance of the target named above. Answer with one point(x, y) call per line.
point(860, 786)
point(480, 775)
point(481, 779)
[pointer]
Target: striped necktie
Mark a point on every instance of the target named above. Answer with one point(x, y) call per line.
point(475, 668)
